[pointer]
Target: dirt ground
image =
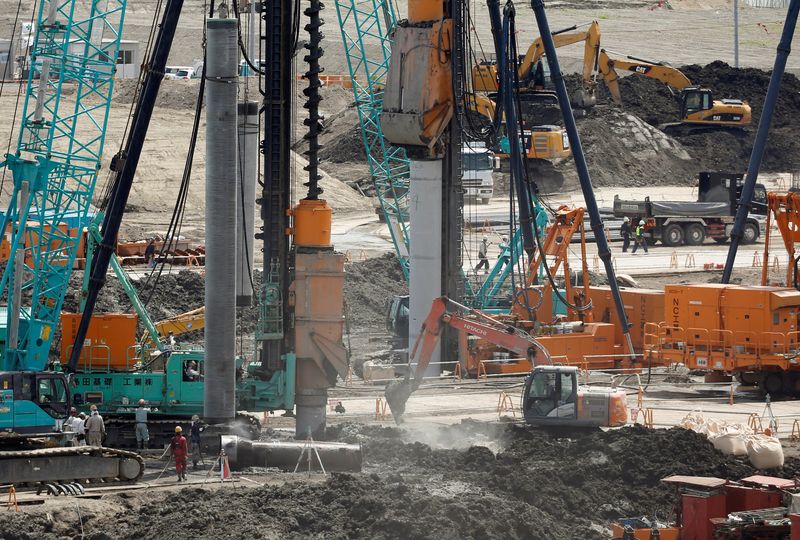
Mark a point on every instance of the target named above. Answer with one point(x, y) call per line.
point(472, 480)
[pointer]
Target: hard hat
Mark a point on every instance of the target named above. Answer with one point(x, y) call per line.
point(195, 418)
point(178, 429)
point(626, 220)
point(141, 402)
point(485, 238)
point(93, 408)
point(505, 239)
point(82, 415)
point(73, 409)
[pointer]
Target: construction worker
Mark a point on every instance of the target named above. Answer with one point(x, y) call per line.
point(142, 433)
point(70, 424)
point(80, 430)
point(639, 239)
point(95, 428)
point(179, 450)
point(150, 254)
point(191, 373)
point(504, 256)
point(625, 232)
point(194, 440)
point(483, 259)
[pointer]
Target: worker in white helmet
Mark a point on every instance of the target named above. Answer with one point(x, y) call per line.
point(142, 433)
point(625, 232)
point(483, 256)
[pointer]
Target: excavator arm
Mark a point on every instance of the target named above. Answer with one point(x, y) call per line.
point(484, 76)
point(562, 38)
point(607, 66)
point(446, 312)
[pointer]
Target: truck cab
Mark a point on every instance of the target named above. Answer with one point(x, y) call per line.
point(479, 163)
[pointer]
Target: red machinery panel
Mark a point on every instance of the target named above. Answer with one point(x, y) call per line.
point(697, 514)
point(742, 498)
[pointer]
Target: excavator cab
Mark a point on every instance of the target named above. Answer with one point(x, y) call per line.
point(31, 403)
point(694, 100)
point(550, 395)
point(698, 107)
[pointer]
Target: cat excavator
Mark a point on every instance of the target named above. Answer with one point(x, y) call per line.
point(551, 394)
point(532, 72)
point(697, 107)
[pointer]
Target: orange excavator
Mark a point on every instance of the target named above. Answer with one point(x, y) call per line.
point(551, 394)
point(698, 108)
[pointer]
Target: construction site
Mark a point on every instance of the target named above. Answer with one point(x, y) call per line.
point(400, 269)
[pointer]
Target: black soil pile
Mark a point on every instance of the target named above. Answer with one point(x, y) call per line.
point(726, 149)
point(368, 288)
point(538, 485)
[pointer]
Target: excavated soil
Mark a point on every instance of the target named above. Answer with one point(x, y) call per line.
point(652, 101)
point(369, 286)
point(473, 480)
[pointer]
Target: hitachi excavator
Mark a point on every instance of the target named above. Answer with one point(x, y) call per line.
point(551, 394)
point(698, 108)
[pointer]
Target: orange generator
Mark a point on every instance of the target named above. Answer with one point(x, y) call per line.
point(110, 342)
point(746, 330)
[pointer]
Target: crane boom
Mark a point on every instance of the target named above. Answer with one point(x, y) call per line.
point(55, 167)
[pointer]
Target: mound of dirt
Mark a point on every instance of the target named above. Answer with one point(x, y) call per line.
point(622, 150)
point(369, 286)
point(723, 149)
point(536, 485)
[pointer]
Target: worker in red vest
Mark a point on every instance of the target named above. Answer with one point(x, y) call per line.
point(179, 450)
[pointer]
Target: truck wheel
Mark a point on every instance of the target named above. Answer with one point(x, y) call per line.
point(672, 235)
point(750, 233)
point(485, 201)
point(694, 234)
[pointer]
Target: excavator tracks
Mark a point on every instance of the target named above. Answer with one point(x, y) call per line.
point(70, 465)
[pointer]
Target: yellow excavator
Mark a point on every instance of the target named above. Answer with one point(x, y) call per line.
point(698, 108)
point(531, 69)
point(545, 141)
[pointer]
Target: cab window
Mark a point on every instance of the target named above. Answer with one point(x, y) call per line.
point(693, 101)
point(52, 391)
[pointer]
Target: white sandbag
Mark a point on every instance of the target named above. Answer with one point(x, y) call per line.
point(733, 444)
point(764, 452)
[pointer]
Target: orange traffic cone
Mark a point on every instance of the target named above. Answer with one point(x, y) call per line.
point(225, 468)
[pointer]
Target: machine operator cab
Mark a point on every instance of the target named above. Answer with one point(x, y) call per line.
point(551, 394)
point(551, 397)
point(33, 402)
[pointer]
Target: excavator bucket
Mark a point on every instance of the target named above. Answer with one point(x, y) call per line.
point(397, 394)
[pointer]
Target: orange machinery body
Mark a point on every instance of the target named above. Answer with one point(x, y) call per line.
point(32, 239)
point(110, 342)
point(586, 345)
point(641, 306)
point(313, 221)
point(726, 328)
point(318, 299)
